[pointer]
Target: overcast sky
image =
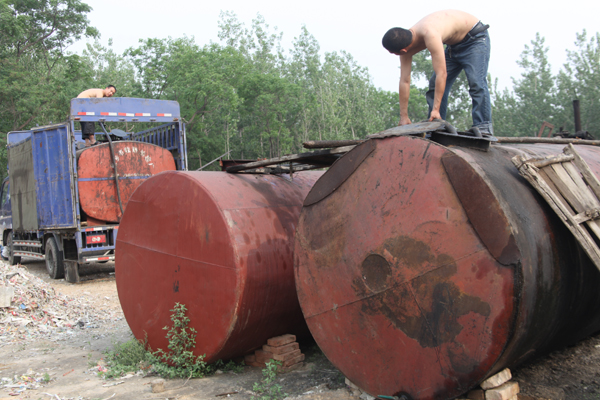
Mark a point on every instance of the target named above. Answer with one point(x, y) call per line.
point(354, 27)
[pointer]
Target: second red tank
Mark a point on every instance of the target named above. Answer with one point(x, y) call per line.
point(222, 245)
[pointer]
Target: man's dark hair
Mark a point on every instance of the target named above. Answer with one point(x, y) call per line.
point(112, 86)
point(396, 39)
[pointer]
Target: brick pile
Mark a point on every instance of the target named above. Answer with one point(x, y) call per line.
point(497, 387)
point(283, 348)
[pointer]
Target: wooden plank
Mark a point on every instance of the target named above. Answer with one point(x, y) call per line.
point(547, 140)
point(323, 144)
point(587, 173)
point(564, 185)
point(543, 175)
point(571, 197)
point(305, 157)
point(571, 184)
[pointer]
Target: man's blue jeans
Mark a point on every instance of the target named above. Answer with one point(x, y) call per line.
point(472, 55)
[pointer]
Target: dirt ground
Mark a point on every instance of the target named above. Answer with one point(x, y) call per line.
point(571, 373)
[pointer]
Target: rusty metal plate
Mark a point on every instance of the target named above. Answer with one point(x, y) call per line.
point(482, 209)
point(339, 172)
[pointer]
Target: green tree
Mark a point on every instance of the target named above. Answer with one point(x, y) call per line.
point(534, 94)
point(34, 36)
point(580, 80)
point(109, 68)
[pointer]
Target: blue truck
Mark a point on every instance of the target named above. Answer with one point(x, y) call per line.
point(62, 202)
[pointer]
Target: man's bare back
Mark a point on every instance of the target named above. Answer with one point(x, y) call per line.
point(447, 27)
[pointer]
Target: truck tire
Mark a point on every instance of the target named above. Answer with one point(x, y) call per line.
point(54, 260)
point(12, 259)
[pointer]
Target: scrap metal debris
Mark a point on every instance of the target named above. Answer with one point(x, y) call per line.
point(37, 311)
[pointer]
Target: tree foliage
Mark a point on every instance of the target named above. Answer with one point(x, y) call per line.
point(247, 97)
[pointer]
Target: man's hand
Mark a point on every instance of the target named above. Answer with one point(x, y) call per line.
point(404, 121)
point(435, 114)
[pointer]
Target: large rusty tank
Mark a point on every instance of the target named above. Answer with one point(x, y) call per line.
point(136, 161)
point(222, 245)
point(422, 269)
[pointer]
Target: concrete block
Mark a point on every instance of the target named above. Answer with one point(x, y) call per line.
point(497, 380)
point(158, 385)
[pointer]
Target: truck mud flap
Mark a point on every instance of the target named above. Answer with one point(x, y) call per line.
point(71, 271)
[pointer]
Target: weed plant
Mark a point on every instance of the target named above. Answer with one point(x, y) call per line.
point(267, 389)
point(178, 362)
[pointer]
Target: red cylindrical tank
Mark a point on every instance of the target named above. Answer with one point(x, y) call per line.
point(136, 161)
point(222, 244)
point(423, 269)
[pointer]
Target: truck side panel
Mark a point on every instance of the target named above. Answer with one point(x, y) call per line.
point(53, 173)
point(22, 187)
point(42, 193)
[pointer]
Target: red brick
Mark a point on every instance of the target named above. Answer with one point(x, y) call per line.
point(281, 349)
point(290, 368)
point(249, 358)
point(263, 356)
point(293, 361)
point(281, 340)
point(256, 364)
point(287, 356)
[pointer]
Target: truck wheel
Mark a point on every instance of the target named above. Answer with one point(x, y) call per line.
point(54, 260)
point(12, 259)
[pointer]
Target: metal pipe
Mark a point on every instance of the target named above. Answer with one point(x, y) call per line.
point(577, 115)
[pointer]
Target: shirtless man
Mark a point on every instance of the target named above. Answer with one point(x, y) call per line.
point(468, 48)
point(89, 128)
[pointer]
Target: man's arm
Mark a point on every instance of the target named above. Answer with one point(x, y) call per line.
point(438, 59)
point(404, 88)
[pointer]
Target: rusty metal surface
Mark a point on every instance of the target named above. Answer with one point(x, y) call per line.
point(136, 162)
point(482, 209)
point(337, 174)
point(222, 244)
point(405, 286)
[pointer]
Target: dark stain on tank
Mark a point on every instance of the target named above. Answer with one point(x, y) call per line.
point(258, 257)
point(246, 238)
point(410, 252)
point(376, 271)
point(175, 286)
point(428, 307)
